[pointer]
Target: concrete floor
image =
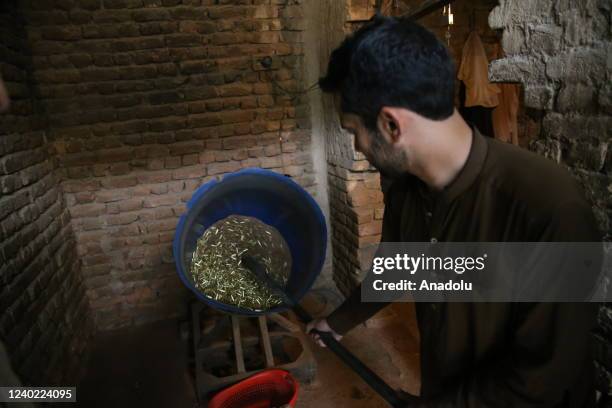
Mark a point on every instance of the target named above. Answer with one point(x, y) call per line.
point(147, 366)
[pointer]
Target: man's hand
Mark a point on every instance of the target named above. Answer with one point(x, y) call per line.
point(322, 326)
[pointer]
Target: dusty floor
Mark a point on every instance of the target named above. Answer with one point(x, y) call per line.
point(144, 366)
point(388, 345)
point(147, 366)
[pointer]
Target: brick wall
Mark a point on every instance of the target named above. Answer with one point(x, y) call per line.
point(560, 52)
point(44, 315)
point(356, 210)
point(147, 100)
point(355, 198)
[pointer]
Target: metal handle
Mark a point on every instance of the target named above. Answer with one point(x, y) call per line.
point(367, 375)
point(370, 377)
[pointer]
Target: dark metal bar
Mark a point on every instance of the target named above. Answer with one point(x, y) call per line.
point(369, 376)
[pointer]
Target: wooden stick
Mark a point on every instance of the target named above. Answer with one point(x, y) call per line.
point(238, 345)
point(265, 340)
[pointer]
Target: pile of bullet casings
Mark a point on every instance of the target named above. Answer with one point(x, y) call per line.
point(216, 264)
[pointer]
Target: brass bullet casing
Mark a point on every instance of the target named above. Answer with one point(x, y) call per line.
point(216, 264)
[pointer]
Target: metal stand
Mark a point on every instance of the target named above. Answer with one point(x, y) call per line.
point(244, 339)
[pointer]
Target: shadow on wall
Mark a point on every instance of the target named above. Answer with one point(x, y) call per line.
point(44, 316)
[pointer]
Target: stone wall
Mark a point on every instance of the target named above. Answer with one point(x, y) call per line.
point(147, 100)
point(44, 315)
point(561, 51)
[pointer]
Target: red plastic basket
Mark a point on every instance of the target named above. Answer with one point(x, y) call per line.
point(267, 389)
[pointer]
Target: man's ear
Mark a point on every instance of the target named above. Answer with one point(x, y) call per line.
point(389, 124)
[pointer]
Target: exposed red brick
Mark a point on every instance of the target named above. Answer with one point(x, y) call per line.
point(87, 210)
point(119, 182)
point(122, 219)
point(157, 177)
point(84, 197)
point(111, 195)
point(162, 225)
point(189, 172)
point(152, 202)
point(226, 167)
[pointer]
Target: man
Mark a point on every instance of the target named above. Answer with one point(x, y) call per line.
point(395, 81)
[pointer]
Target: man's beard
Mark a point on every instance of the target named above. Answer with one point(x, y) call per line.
point(390, 163)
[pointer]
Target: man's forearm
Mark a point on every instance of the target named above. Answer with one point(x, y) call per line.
point(352, 312)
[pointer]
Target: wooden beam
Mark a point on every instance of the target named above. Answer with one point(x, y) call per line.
point(425, 8)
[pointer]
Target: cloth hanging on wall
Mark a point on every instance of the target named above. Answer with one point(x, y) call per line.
point(477, 116)
point(505, 115)
point(477, 95)
point(474, 72)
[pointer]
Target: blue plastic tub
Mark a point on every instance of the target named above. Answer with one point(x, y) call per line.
point(272, 198)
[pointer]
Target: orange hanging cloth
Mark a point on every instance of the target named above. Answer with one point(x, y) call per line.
point(505, 121)
point(474, 72)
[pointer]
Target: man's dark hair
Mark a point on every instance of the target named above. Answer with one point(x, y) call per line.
point(392, 62)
